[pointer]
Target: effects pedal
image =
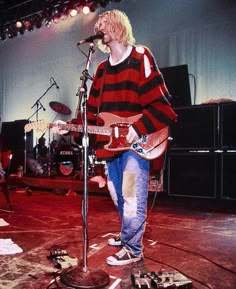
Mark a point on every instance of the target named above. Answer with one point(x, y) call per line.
point(161, 280)
point(141, 282)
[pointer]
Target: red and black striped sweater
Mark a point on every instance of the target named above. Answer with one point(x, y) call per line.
point(124, 90)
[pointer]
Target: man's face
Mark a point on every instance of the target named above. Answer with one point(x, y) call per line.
point(103, 26)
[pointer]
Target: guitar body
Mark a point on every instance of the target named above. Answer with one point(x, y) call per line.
point(153, 145)
point(119, 130)
point(148, 147)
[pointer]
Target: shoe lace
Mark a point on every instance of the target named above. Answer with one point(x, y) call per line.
point(122, 252)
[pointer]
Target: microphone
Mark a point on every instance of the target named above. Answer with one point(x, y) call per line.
point(54, 82)
point(99, 35)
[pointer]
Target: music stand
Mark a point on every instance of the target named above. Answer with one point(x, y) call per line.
point(83, 276)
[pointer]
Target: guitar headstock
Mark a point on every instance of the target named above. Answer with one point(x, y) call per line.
point(36, 125)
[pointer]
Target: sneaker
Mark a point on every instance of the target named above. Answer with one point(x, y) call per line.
point(116, 241)
point(123, 257)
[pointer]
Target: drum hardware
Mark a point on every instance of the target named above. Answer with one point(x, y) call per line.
point(60, 108)
point(36, 168)
point(56, 106)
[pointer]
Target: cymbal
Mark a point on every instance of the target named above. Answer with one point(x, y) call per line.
point(59, 107)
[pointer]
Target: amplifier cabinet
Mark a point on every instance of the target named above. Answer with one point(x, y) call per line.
point(196, 128)
point(227, 125)
point(228, 173)
point(192, 174)
point(14, 140)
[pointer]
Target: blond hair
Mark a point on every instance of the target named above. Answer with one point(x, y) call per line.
point(119, 25)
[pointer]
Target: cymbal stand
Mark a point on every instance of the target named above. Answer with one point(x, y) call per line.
point(84, 277)
point(38, 104)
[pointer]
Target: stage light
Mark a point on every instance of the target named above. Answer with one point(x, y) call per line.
point(92, 7)
point(21, 31)
point(88, 7)
point(56, 14)
point(86, 10)
point(64, 12)
point(37, 21)
point(73, 12)
point(19, 24)
point(11, 32)
point(52, 12)
point(28, 25)
point(48, 22)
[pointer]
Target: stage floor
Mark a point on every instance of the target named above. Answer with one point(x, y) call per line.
point(192, 237)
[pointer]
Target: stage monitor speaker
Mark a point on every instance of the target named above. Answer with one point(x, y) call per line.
point(192, 175)
point(177, 82)
point(228, 173)
point(196, 128)
point(13, 139)
point(227, 125)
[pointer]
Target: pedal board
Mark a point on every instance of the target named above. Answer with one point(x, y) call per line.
point(161, 280)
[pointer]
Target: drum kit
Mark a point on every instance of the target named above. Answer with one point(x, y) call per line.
point(64, 158)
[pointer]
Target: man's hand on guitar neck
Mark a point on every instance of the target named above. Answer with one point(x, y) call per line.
point(57, 129)
point(132, 135)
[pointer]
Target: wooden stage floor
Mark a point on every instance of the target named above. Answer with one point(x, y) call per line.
point(196, 238)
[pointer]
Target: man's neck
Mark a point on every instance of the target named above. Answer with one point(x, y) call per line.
point(117, 51)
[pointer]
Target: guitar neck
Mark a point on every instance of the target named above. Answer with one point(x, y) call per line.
point(103, 130)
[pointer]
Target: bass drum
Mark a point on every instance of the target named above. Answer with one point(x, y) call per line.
point(66, 168)
point(68, 161)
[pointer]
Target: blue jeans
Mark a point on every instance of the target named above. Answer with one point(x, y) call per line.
point(127, 180)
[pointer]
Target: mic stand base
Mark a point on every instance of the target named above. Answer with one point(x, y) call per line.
point(91, 279)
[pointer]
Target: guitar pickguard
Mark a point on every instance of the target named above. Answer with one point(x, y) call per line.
point(118, 137)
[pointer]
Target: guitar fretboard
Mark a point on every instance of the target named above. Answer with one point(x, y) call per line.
point(103, 130)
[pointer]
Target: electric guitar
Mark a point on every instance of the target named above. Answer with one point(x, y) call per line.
point(149, 147)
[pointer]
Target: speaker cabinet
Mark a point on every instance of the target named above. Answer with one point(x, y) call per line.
point(192, 174)
point(177, 81)
point(228, 173)
point(227, 125)
point(196, 128)
point(13, 139)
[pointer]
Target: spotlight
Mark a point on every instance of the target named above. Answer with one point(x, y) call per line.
point(48, 22)
point(73, 12)
point(19, 24)
point(92, 7)
point(47, 17)
point(56, 14)
point(28, 25)
point(86, 10)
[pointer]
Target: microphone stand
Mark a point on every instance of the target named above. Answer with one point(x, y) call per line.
point(82, 276)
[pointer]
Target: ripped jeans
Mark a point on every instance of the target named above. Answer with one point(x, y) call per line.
point(127, 180)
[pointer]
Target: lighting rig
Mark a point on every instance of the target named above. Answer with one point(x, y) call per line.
point(30, 14)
